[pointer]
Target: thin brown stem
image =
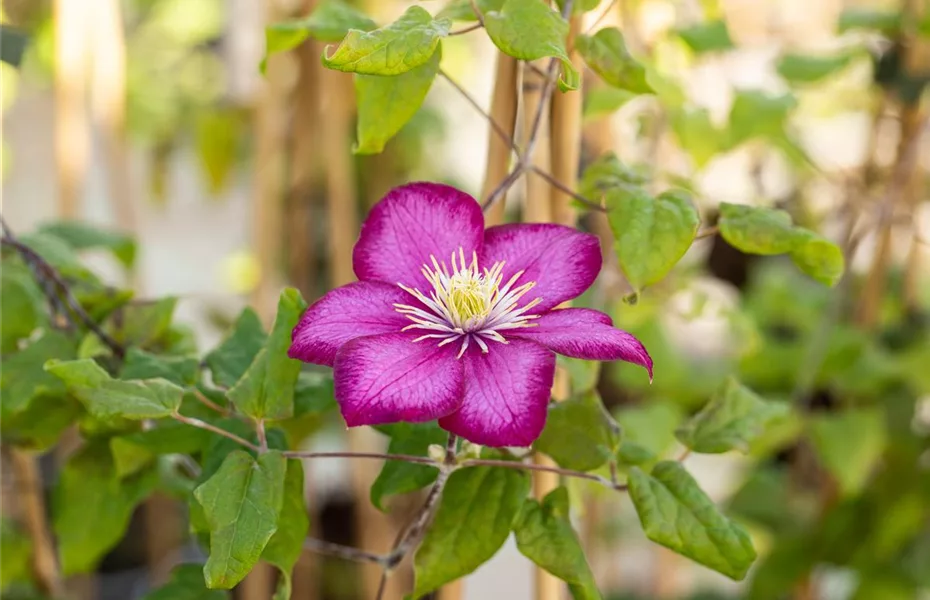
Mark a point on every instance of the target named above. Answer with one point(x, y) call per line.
point(371, 455)
point(708, 232)
point(466, 29)
point(202, 398)
point(262, 437)
point(343, 552)
point(509, 464)
point(477, 11)
point(597, 21)
point(217, 430)
point(567, 190)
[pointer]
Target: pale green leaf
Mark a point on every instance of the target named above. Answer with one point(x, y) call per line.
point(399, 477)
point(186, 584)
point(757, 229)
point(652, 234)
point(329, 22)
point(677, 514)
point(545, 535)
point(286, 544)
point(180, 370)
point(648, 431)
point(22, 378)
point(757, 114)
point(22, 306)
point(607, 173)
point(386, 104)
point(605, 100)
point(803, 68)
point(106, 398)
point(885, 21)
point(849, 444)
point(230, 360)
point(82, 236)
point(461, 10)
point(730, 421)
point(697, 134)
point(818, 257)
point(607, 55)
point(530, 30)
point(391, 50)
point(474, 518)
point(709, 36)
point(241, 504)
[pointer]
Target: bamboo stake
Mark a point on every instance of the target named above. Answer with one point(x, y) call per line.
point(32, 507)
point(504, 113)
point(566, 137)
point(537, 207)
point(72, 136)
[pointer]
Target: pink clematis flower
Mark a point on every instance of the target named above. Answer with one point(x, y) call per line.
point(453, 322)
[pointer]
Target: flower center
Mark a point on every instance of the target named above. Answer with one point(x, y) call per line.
point(466, 303)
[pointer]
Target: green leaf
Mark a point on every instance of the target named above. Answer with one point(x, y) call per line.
point(582, 374)
point(286, 544)
point(313, 394)
point(474, 518)
point(849, 444)
point(709, 36)
point(180, 370)
point(397, 48)
point(229, 361)
point(386, 104)
point(697, 134)
point(802, 68)
point(607, 173)
point(13, 43)
point(461, 10)
point(218, 135)
point(530, 30)
point(579, 433)
point(186, 584)
point(60, 255)
point(330, 22)
point(399, 477)
point(82, 236)
point(241, 503)
point(757, 114)
point(169, 437)
point(545, 536)
point(607, 55)
point(92, 507)
point(15, 555)
point(818, 257)
point(757, 229)
point(106, 398)
point(603, 101)
point(266, 391)
point(887, 22)
point(22, 306)
point(730, 421)
point(648, 431)
point(143, 323)
point(22, 378)
point(39, 426)
point(129, 458)
point(652, 234)
point(677, 514)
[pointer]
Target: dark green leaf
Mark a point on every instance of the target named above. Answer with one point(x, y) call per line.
point(22, 378)
point(802, 68)
point(105, 397)
point(579, 433)
point(82, 236)
point(607, 55)
point(530, 30)
point(849, 444)
point(710, 36)
point(186, 584)
point(180, 370)
point(475, 515)
point(391, 50)
point(92, 507)
point(757, 229)
point(286, 544)
point(607, 173)
point(143, 323)
point(545, 535)
point(582, 374)
point(60, 255)
point(677, 514)
point(229, 361)
point(15, 555)
point(218, 135)
point(330, 22)
point(170, 437)
point(313, 394)
point(729, 421)
point(266, 391)
point(13, 43)
point(386, 104)
point(22, 306)
point(399, 477)
point(818, 257)
point(242, 504)
point(39, 426)
point(652, 234)
point(129, 458)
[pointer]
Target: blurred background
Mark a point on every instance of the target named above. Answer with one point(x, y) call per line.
point(152, 117)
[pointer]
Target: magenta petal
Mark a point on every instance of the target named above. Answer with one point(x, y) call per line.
point(412, 223)
point(562, 261)
point(585, 333)
point(506, 394)
point(388, 378)
point(343, 314)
